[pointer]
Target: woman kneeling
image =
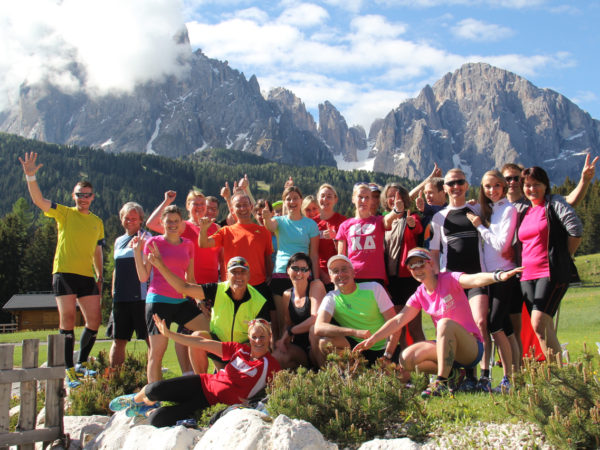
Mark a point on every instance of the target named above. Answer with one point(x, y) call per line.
point(442, 296)
point(249, 370)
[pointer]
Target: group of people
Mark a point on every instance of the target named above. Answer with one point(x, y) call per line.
point(269, 290)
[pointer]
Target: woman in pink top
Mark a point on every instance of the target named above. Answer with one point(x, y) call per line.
point(458, 341)
point(361, 238)
point(550, 233)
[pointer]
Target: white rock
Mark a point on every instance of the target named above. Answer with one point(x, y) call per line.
point(390, 444)
point(83, 429)
point(122, 432)
point(291, 434)
point(239, 429)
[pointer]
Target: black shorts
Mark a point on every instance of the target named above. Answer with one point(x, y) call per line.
point(501, 296)
point(280, 285)
point(400, 289)
point(73, 284)
point(125, 318)
point(476, 291)
point(370, 355)
point(180, 313)
point(543, 294)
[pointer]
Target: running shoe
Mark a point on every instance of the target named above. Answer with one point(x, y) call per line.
point(83, 370)
point(436, 389)
point(140, 409)
point(484, 385)
point(456, 378)
point(71, 378)
point(467, 385)
point(503, 387)
point(122, 402)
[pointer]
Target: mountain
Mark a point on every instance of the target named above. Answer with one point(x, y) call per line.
point(481, 117)
point(210, 106)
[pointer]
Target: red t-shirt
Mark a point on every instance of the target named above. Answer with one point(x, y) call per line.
point(409, 241)
point(250, 241)
point(241, 378)
point(206, 260)
point(327, 247)
point(533, 233)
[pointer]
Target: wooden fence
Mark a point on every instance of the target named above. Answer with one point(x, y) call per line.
point(28, 376)
point(8, 327)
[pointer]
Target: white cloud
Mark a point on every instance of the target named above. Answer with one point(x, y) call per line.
point(255, 14)
point(476, 30)
point(528, 66)
point(303, 15)
point(117, 44)
point(349, 5)
point(512, 4)
point(585, 97)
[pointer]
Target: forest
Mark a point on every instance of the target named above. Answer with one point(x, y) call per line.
point(28, 238)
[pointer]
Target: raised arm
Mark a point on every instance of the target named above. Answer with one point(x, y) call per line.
point(214, 347)
point(587, 175)
point(270, 222)
point(153, 221)
point(142, 266)
point(203, 240)
point(30, 167)
point(468, 281)
point(436, 172)
point(181, 286)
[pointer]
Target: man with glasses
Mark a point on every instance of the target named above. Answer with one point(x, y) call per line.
point(77, 267)
point(228, 306)
point(352, 312)
point(455, 248)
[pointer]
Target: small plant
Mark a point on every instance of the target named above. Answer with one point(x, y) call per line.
point(349, 402)
point(564, 400)
point(94, 395)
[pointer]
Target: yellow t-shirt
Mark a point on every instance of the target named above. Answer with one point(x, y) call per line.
point(78, 236)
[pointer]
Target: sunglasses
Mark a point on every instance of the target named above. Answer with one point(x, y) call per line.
point(515, 178)
point(416, 265)
point(300, 269)
point(453, 183)
point(83, 194)
point(253, 321)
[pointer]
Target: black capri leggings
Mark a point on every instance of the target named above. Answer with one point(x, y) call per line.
point(186, 391)
point(501, 297)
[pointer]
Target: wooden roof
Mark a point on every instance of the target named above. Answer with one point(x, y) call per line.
point(42, 300)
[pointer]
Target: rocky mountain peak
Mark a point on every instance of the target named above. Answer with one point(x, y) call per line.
point(286, 100)
point(340, 139)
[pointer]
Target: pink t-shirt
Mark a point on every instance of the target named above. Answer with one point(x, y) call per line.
point(533, 233)
point(242, 377)
point(448, 301)
point(364, 238)
point(206, 260)
point(176, 258)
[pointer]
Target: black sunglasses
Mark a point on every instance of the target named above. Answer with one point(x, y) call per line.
point(515, 178)
point(300, 269)
point(452, 183)
point(83, 194)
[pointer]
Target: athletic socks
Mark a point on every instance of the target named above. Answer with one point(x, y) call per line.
point(485, 373)
point(471, 373)
point(69, 346)
point(88, 338)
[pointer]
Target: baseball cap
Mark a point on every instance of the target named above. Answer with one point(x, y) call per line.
point(338, 257)
point(418, 252)
point(237, 262)
point(374, 187)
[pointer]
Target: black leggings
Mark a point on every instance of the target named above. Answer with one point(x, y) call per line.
point(501, 296)
point(186, 391)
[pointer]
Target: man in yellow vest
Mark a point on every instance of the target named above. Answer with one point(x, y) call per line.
point(228, 306)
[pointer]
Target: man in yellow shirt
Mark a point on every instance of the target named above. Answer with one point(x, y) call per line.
point(77, 268)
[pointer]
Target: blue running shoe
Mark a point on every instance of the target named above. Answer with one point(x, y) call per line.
point(484, 385)
point(436, 389)
point(122, 402)
point(140, 409)
point(503, 387)
point(467, 385)
point(71, 378)
point(83, 370)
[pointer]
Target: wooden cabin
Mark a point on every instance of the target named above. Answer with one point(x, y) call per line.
point(36, 311)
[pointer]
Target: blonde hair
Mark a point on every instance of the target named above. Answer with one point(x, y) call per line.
point(307, 201)
point(193, 194)
point(262, 325)
point(327, 186)
point(131, 206)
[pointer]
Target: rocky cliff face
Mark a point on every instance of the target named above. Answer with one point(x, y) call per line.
point(213, 106)
point(481, 117)
point(334, 130)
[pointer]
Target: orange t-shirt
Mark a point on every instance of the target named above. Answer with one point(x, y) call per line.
point(250, 241)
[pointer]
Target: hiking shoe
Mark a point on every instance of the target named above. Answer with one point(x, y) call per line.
point(456, 378)
point(436, 389)
point(467, 385)
point(140, 409)
point(484, 385)
point(503, 387)
point(83, 370)
point(122, 402)
point(71, 378)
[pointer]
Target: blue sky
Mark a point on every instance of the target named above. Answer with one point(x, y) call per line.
point(363, 56)
point(367, 56)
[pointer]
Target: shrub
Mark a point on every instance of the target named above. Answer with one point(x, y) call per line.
point(564, 400)
point(94, 395)
point(349, 402)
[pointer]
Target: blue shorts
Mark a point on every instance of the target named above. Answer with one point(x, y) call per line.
point(475, 361)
